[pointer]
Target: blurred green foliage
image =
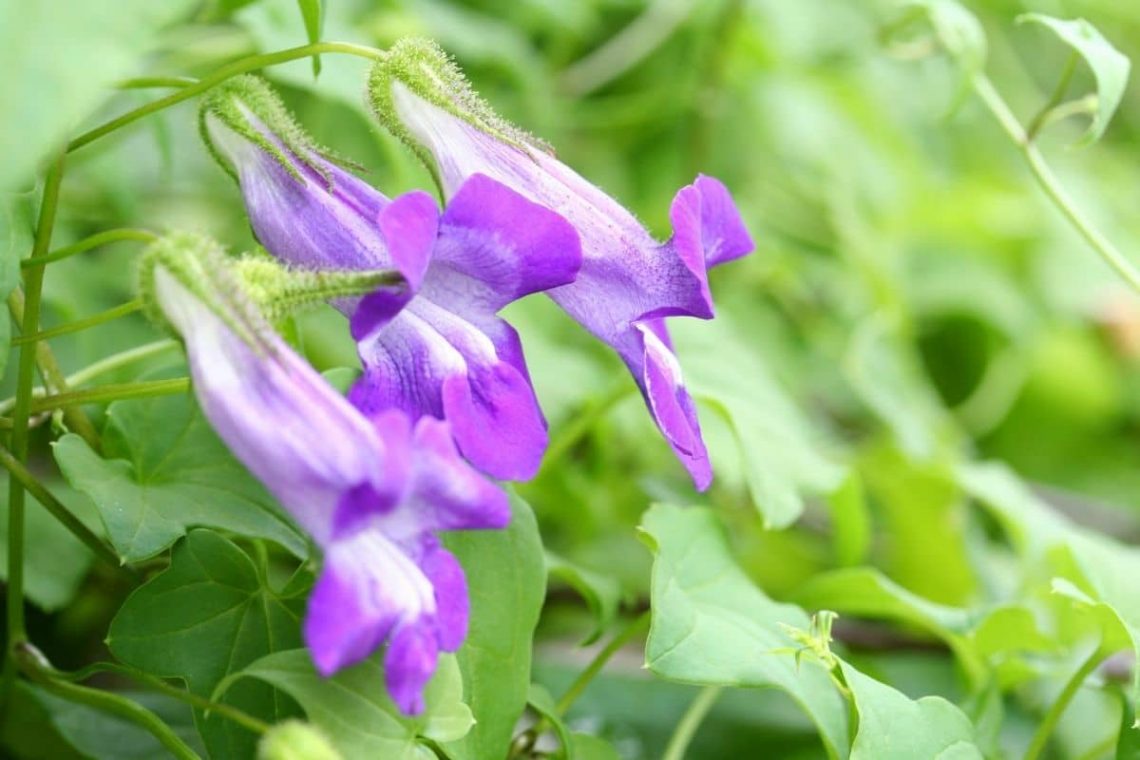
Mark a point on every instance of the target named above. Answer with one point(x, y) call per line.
point(915, 306)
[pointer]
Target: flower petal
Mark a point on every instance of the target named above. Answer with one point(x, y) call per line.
point(659, 377)
point(429, 361)
point(450, 584)
point(409, 664)
point(270, 406)
point(368, 588)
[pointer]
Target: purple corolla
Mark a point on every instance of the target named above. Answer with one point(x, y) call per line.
point(372, 492)
point(628, 282)
point(435, 348)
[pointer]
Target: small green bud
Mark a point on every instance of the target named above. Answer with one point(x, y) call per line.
point(295, 740)
point(424, 68)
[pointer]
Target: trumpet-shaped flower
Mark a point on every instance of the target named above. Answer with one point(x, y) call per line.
point(435, 348)
point(372, 492)
point(628, 282)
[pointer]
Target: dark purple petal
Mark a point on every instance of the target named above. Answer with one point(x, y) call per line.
point(496, 246)
point(659, 377)
point(368, 588)
point(451, 602)
point(431, 362)
point(723, 234)
point(409, 665)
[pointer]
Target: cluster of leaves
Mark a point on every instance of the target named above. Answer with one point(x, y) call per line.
point(917, 395)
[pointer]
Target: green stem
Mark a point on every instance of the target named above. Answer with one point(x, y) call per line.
point(102, 367)
point(33, 665)
point(252, 63)
point(237, 716)
point(1050, 184)
point(583, 680)
point(57, 509)
point(1042, 118)
point(146, 83)
point(576, 429)
point(25, 377)
point(113, 392)
point(690, 722)
point(1057, 709)
point(96, 240)
point(82, 324)
point(53, 378)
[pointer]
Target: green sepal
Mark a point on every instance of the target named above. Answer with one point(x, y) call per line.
point(425, 69)
point(242, 101)
point(200, 265)
point(295, 740)
point(280, 291)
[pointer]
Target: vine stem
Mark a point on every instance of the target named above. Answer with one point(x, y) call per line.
point(1057, 709)
point(33, 665)
point(690, 722)
point(583, 680)
point(233, 69)
point(33, 287)
point(82, 324)
point(1050, 184)
point(57, 509)
point(114, 392)
point(101, 238)
point(237, 716)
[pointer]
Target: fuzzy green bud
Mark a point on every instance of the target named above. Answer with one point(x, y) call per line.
point(295, 740)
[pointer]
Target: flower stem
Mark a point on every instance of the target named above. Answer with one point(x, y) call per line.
point(146, 83)
point(114, 392)
point(33, 286)
point(33, 665)
point(101, 238)
point(1057, 709)
point(53, 378)
point(583, 680)
point(1051, 185)
point(690, 722)
point(237, 716)
point(241, 66)
point(576, 429)
point(82, 324)
point(57, 509)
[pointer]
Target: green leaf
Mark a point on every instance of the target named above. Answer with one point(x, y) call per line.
point(865, 592)
point(1093, 573)
point(17, 234)
point(850, 521)
point(91, 45)
point(163, 471)
point(55, 561)
point(590, 747)
point(313, 13)
point(601, 592)
point(1109, 66)
point(543, 703)
point(506, 579)
point(894, 727)
point(781, 453)
point(712, 626)
point(208, 615)
point(107, 737)
point(354, 710)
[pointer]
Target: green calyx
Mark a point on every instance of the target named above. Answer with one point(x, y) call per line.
point(295, 740)
point(425, 69)
point(200, 265)
point(280, 291)
point(249, 107)
point(249, 293)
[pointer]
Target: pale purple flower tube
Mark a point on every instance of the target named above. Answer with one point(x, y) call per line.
point(628, 282)
point(372, 492)
point(436, 348)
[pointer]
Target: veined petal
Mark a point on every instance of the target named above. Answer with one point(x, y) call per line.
point(431, 362)
point(659, 376)
point(368, 588)
point(270, 407)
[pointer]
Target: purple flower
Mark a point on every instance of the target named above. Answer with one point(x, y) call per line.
point(436, 348)
point(628, 282)
point(372, 493)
